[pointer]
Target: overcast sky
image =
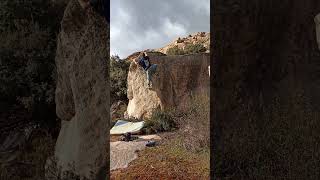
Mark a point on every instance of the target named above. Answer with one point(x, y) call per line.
point(147, 24)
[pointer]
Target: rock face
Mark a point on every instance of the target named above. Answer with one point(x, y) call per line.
point(317, 23)
point(266, 83)
point(82, 92)
point(177, 77)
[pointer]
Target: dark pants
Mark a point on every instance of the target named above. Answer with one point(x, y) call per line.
point(152, 69)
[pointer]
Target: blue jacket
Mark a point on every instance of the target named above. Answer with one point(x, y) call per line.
point(144, 63)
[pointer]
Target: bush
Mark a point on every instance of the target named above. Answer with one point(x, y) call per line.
point(175, 50)
point(194, 48)
point(28, 38)
point(28, 32)
point(118, 78)
point(160, 121)
point(117, 110)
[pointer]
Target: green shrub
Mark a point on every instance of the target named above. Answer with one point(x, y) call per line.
point(118, 79)
point(194, 48)
point(175, 50)
point(160, 121)
point(28, 31)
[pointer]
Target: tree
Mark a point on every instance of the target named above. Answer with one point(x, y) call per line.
point(118, 78)
point(28, 32)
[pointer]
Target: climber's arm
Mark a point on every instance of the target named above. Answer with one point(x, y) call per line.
point(136, 60)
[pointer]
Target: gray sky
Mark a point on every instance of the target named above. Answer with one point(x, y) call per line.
point(147, 24)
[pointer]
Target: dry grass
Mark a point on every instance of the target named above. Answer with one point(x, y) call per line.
point(194, 124)
point(284, 142)
point(167, 161)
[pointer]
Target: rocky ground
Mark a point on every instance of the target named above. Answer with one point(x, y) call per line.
point(122, 153)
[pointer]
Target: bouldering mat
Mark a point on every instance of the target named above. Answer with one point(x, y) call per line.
point(122, 127)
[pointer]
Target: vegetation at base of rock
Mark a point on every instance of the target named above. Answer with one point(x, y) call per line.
point(117, 111)
point(160, 121)
point(118, 78)
point(193, 123)
point(194, 48)
point(175, 50)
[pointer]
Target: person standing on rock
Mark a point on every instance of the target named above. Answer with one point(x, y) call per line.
point(144, 61)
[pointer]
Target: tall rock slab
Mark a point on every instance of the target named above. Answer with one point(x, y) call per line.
point(266, 73)
point(317, 23)
point(82, 92)
point(177, 78)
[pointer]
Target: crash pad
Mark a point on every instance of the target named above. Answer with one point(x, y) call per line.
point(122, 127)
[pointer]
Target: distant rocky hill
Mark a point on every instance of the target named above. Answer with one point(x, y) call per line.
point(202, 38)
point(195, 38)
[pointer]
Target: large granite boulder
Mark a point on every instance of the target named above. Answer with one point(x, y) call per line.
point(176, 79)
point(82, 93)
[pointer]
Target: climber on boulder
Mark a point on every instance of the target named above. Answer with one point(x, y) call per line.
point(144, 61)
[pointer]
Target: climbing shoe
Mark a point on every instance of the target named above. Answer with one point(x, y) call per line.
point(126, 137)
point(151, 143)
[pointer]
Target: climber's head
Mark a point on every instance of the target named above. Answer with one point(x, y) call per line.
point(143, 55)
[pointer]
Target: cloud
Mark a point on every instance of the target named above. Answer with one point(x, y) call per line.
point(146, 24)
point(173, 28)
